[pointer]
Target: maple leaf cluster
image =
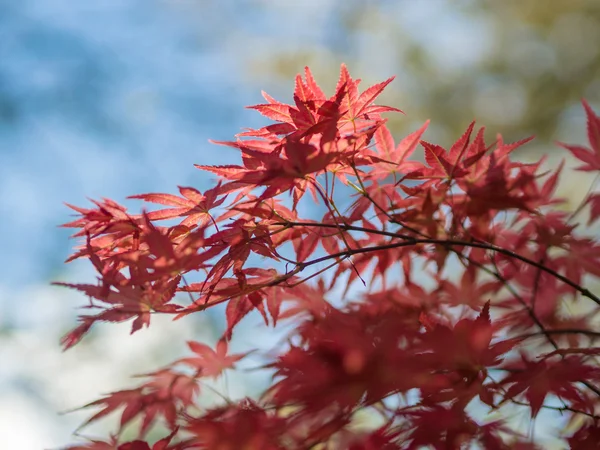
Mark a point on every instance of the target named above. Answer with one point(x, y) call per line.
point(516, 331)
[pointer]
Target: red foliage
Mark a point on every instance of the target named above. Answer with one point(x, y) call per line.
point(500, 336)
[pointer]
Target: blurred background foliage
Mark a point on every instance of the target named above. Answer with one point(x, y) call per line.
point(516, 66)
point(119, 97)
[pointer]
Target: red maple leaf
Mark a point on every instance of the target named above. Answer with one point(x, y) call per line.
point(586, 438)
point(127, 300)
point(346, 110)
point(443, 427)
point(594, 202)
point(537, 379)
point(162, 444)
point(194, 206)
point(161, 395)
point(454, 164)
point(391, 159)
point(208, 362)
point(468, 291)
point(462, 354)
point(241, 426)
point(590, 157)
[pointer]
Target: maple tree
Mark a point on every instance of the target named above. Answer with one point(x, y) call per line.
point(503, 334)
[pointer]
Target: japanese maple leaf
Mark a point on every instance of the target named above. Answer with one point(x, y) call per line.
point(251, 289)
point(128, 300)
point(264, 286)
point(466, 345)
point(261, 160)
point(498, 189)
point(343, 360)
point(550, 230)
point(490, 184)
point(459, 356)
point(306, 299)
point(442, 428)
point(544, 196)
point(391, 159)
point(162, 444)
point(165, 254)
point(278, 171)
point(108, 217)
point(537, 379)
point(346, 110)
point(240, 306)
point(162, 394)
point(468, 291)
point(582, 258)
point(589, 156)
point(245, 425)
point(239, 239)
point(308, 98)
point(109, 228)
point(421, 210)
point(381, 439)
point(208, 362)
point(95, 444)
point(289, 169)
point(586, 438)
point(359, 106)
point(362, 262)
point(594, 202)
point(134, 445)
point(306, 159)
point(194, 206)
point(306, 241)
point(455, 162)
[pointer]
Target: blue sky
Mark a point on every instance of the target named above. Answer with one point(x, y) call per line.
point(99, 99)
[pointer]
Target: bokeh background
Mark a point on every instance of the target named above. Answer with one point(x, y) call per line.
point(117, 97)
